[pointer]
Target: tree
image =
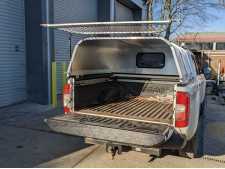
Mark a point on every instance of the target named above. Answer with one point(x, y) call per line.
point(149, 4)
point(222, 2)
point(181, 13)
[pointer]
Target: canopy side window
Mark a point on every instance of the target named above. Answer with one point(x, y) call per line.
point(187, 56)
point(185, 62)
point(194, 64)
point(181, 63)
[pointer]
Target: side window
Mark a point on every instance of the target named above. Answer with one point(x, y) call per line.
point(191, 63)
point(198, 70)
point(150, 60)
point(184, 60)
point(180, 62)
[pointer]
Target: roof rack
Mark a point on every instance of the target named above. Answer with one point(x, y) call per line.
point(106, 28)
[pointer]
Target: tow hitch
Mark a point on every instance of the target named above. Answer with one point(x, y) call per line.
point(119, 149)
point(114, 149)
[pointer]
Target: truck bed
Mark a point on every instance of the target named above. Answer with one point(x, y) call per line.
point(136, 109)
point(142, 116)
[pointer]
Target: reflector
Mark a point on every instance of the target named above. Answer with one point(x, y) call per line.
point(67, 93)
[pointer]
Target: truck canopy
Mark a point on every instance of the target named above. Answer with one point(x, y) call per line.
point(119, 55)
point(104, 53)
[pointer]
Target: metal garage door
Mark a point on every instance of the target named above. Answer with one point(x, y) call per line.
point(12, 52)
point(66, 11)
point(123, 13)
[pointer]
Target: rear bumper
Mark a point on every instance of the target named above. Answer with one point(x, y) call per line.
point(121, 134)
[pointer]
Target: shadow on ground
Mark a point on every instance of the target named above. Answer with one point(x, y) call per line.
point(25, 139)
point(215, 128)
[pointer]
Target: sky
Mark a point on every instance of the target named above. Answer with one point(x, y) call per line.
point(216, 24)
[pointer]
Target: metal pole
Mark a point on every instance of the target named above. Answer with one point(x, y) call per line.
point(64, 70)
point(218, 73)
point(70, 43)
point(112, 10)
point(54, 87)
point(48, 50)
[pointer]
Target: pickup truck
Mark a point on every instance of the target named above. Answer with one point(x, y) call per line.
point(141, 93)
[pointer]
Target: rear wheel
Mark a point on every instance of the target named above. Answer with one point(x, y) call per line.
point(197, 141)
point(195, 147)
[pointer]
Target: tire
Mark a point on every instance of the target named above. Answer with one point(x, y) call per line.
point(203, 107)
point(195, 147)
point(197, 141)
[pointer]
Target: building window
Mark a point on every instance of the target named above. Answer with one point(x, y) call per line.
point(200, 46)
point(193, 45)
point(220, 46)
point(207, 46)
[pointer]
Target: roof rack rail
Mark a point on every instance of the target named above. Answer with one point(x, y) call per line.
point(107, 28)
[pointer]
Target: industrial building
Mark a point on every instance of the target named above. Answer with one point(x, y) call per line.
point(203, 40)
point(211, 43)
point(27, 50)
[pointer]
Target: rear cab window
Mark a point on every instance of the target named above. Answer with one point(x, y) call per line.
point(150, 60)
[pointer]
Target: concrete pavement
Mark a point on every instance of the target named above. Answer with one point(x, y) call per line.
point(27, 142)
point(97, 157)
point(214, 149)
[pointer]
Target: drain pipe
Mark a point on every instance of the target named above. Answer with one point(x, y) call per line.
point(49, 53)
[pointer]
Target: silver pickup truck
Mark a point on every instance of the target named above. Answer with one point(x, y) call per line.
point(143, 93)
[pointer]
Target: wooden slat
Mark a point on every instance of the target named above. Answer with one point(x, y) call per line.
point(152, 110)
point(144, 110)
point(141, 110)
point(162, 110)
point(128, 110)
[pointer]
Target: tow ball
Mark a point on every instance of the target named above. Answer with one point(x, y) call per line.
point(114, 150)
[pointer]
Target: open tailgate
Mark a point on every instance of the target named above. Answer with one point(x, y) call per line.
point(113, 130)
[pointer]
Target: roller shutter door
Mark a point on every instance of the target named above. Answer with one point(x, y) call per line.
point(123, 13)
point(12, 52)
point(67, 11)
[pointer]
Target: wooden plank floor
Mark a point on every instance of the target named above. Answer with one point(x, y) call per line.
point(136, 109)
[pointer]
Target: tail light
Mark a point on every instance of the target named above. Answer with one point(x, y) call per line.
point(67, 98)
point(182, 109)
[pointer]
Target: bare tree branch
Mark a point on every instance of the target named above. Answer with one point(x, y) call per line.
point(182, 13)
